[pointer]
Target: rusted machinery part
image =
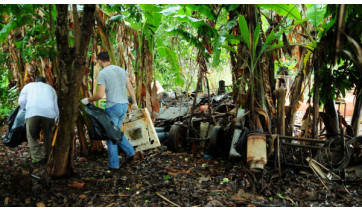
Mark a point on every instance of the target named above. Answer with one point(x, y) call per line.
point(218, 143)
point(176, 137)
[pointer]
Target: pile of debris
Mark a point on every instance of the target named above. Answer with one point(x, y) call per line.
point(211, 125)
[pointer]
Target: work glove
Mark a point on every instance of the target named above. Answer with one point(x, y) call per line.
point(85, 101)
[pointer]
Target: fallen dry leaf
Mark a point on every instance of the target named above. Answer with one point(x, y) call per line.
point(82, 196)
point(76, 185)
point(6, 202)
point(27, 201)
point(110, 205)
point(82, 159)
point(40, 204)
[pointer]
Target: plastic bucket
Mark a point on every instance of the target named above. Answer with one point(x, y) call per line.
point(256, 151)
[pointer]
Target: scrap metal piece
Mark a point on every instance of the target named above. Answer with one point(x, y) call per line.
point(139, 130)
point(236, 135)
point(177, 135)
point(173, 112)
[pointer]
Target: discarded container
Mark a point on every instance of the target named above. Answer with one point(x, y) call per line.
point(162, 136)
point(139, 130)
point(256, 151)
point(236, 135)
point(160, 129)
point(203, 129)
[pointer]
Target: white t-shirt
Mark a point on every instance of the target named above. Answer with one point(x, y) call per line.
point(39, 99)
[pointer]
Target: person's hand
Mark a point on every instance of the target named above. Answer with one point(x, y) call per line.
point(134, 106)
point(85, 101)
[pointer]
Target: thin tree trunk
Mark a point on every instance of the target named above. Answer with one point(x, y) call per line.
point(296, 92)
point(330, 117)
point(315, 102)
point(71, 72)
point(280, 94)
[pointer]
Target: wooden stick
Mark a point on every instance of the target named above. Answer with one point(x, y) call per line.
point(169, 201)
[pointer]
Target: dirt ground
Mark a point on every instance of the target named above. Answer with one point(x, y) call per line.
point(163, 178)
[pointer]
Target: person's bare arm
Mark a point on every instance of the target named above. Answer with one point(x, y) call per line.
point(99, 95)
point(131, 92)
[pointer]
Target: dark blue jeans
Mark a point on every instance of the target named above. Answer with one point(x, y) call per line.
point(117, 113)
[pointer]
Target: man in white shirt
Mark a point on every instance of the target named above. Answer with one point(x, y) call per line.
point(40, 101)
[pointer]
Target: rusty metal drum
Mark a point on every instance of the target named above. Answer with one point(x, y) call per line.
point(256, 151)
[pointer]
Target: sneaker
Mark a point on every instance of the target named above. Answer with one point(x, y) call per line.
point(127, 160)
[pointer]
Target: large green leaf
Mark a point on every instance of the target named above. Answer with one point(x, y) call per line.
point(283, 9)
point(187, 36)
point(170, 10)
point(232, 39)
point(270, 37)
point(195, 23)
point(5, 31)
point(326, 26)
point(185, 10)
point(153, 17)
point(204, 9)
point(216, 50)
point(230, 7)
point(256, 38)
point(244, 29)
point(117, 18)
point(315, 13)
point(170, 57)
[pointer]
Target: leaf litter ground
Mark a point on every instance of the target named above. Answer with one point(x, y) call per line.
point(163, 178)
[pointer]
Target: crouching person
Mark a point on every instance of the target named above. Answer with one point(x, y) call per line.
point(41, 104)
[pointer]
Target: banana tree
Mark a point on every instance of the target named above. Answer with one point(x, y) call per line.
point(314, 20)
point(27, 35)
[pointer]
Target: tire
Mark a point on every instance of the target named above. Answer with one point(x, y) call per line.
point(176, 138)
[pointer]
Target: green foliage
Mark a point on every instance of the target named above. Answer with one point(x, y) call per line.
point(346, 73)
point(7, 96)
point(289, 10)
point(21, 14)
point(244, 29)
point(171, 57)
point(315, 13)
point(204, 9)
point(118, 18)
point(194, 41)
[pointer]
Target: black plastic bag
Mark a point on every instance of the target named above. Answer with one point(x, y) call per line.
point(16, 133)
point(241, 145)
point(101, 126)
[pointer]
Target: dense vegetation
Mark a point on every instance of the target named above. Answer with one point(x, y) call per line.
point(180, 45)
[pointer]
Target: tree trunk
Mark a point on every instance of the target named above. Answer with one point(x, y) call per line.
point(330, 117)
point(315, 102)
point(71, 68)
point(280, 94)
point(239, 71)
point(296, 93)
